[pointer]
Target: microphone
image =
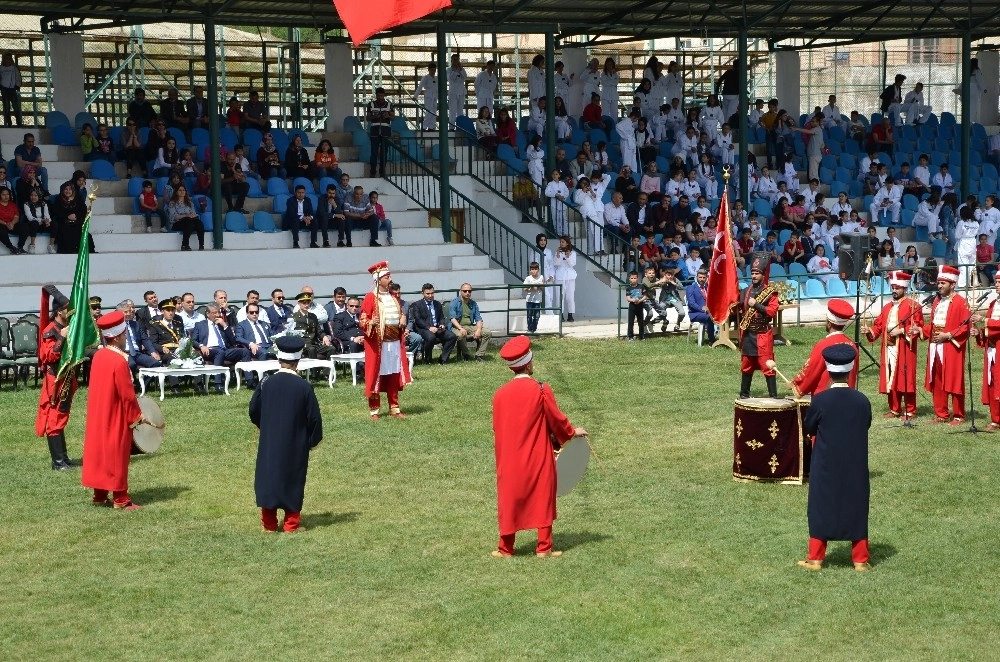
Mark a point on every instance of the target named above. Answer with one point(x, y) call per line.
point(982, 297)
point(929, 300)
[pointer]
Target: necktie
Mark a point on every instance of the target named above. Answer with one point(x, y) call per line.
point(258, 333)
point(131, 341)
point(218, 336)
point(430, 309)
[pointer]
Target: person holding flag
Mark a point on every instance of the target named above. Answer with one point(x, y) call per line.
point(56, 397)
point(723, 281)
point(757, 309)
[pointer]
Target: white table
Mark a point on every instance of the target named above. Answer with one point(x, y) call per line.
point(354, 359)
point(161, 374)
point(261, 367)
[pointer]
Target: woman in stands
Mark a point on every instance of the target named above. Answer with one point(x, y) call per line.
point(929, 213)
point(565, 275)
point(651, 183)
point(485, 132)
point(609, 89)
point(711, 118)
point(886, 256)
point(647, 104)
point(36, 216)
point(28, 182)
point(782, 218)
point(82, 186)
point(268, 159)
point(10, 224)
point(543, 256)
point(506, 129)
point(325, 162)
point(564, 130)
point(167, 158)
point(536, 78)
point(130, 148)
point(672, 84)
point(297, 162)
point(68, 213)
point(536, 160)
point(182, 216)
point(842, 204)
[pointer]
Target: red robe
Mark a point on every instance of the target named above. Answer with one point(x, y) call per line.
point(957, 324)
point(904, 379)
point(990, 337)
point(525, 421)
point(759, 343)
point(813, 377)
point(112, 412)
point(370, 323)
point(53, 413)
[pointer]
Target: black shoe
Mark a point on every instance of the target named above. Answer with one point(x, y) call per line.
point(201, 247)
point(296, 245)
point(442, 362)
point(374, 243)
point(382, 173)
point(175, 390)
point(481, 359)
point(219, 389)
point(242, 210)
point(313, 244)
point(326, 244)
point(349, 244)
point(340, 244)
point(569, 318)
point(185, 248)
point(199, 388)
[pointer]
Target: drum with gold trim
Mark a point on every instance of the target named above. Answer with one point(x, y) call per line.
point(768, 441)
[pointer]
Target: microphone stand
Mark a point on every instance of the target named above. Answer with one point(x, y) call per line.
point(857, 319)
point(968, 361)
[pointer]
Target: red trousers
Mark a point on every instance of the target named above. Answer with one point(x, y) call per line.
point(859, 550)
point(269, 518)
point(389, 384)
point(941, 395)
point(994, 410)
point(751, 363)
point(506, 545)
point(120, 498)
point(897, 400)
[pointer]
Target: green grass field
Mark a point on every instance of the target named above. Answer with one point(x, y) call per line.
point(666, 556)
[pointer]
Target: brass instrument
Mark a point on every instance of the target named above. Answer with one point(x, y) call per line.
point(769, 290)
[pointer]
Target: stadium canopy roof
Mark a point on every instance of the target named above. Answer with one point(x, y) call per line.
point(591, 21)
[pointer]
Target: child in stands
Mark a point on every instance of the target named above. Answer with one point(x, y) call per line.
point(148, 206)
point(383, 222)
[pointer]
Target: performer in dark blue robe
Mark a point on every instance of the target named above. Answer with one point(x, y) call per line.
point(838, 476)
point(285, 409)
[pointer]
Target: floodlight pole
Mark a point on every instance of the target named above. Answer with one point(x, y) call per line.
point(744, 107)
point(550, 104)
point(967, 102)
point(212, 109)
point(444, 160)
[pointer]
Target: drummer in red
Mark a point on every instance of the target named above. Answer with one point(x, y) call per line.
point(948, 332)
point(989, 338)
point(383, 323)
point(813, 378)
point(112, 413)
point(898, 328)
point(526, 422)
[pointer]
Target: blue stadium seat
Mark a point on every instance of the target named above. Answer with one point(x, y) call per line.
point(922, 233)
point(836, 134)
point(103, 170)
point(83, 117)
point(135, 186)
point(777, 271)
point(852, 147)
point(596, 136)
point(207, 221)
point(829, 161)
point(55, 118)
point(280, 141)
point(200, 200)
point(64, 135)
point(836, 149)
point(305, 137)
point(300, 181)
point(764, 211)
point(263, 221)
point(160, 183)
point(570, 151)
point(990, 170)
point(784, 236)
point(826, 175)
point(351, 123)
point(814, 289)
point(229, 140)
point(179, 138)
point(279, 203)
point(255, 191)
point(277, 186)
point(910, 201)
point(236, 222)
point(906, 217)
point(835, 287)
point(798, 271)
point(252, 138)
point(939, 249)
point(505, 152)
point(909, 131)
point(836, 188)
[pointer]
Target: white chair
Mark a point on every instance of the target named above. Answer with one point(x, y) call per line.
point(696, 327)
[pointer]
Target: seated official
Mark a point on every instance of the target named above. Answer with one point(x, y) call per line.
point(347, 330)
point(697, 301)
point(141, 353)
point(278, 313)
point(430, 323)
point(165, 332)
point(216, 340)
point(318, 344)
point(255, 335)
point(298, 214)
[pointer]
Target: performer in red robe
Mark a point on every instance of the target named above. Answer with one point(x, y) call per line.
point(989, 338)
point(112, 413)
point(56, 398)
point(898, 328)
point(756, 310)
point(948, 331)
point(526, 423)
point(383, 322)
point(813, 378)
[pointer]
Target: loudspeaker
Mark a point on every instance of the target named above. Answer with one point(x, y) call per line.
point(852, 255)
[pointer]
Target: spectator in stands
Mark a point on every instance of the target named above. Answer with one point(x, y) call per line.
point(687, 146)
point(711, 117)
point(331, 214)
point(234, 185)
point(537, 117)
point(506, 129)
point(297, 161)
point(892, 99)
point(173, 112)
point(770, 245)
point(526, 199)
point(428, 89)
point(203, 183)
point(808, 244)
point(27, 182)
point(910, 259)
point(886, 260)
point(104, 146)
point(856, 129)
point(536, 159)
point(882, 137)
point(691, 187)
point(298, 215)
point(917, 112)
point(130, 148)
point(380, 113)
point(467, 324)
point(344, 189)
point(644, 142)
point(693, 262)
point(141, 110)
point(831, 113)
point(197, 108)
point(182, 216)
point(985, 262)
point(943, 180)
point(564, 130)
point(88, 142)
point(358, 210)
point(602, 162)
point(565, 275)
point(767, 187)
point(10, 223)
point(28, 153)
point(626, 185)
point(234, 115)
point(36, 217)
point(149, 205)
point(889, 198)
point(580, 166)
point(782, 218)
point(793, 251)
point(592, 115)
point(822, 268)
point(269, 160)
point(167, 158)
point(255, 114)
point(706, 177)
point(557, 194)
point(245, 165)
point(10, 90)
point(383, 222)
point(756, 113)
point(616, 222)
point(68, 213)
point(815, 146)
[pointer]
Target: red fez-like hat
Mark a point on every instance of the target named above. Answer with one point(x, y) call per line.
point(516, 352)
point(112, 324)
point(948, 273)
point(839, 312)
point(379, 269)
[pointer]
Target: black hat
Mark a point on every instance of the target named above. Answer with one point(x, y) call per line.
point(59, 300)
point(840, 357)
point(289, 347)
point(95, 302)
point(760, 262)
point(303, 296)
point(168, 305)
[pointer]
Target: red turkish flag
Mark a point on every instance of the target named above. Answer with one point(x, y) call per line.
point(723, 283)
point(364, 18)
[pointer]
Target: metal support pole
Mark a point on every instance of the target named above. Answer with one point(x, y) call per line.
point(444, 164)
point(744, 148)
point(967, 102)
point(550, 103)
point(211, 84)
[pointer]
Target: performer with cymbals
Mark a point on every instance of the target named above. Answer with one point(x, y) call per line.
point(989, 338)
point(526, 423)
point(947, 328)
point(285, 410)
point(383, 323)
point(813, 378)
point(898, 327)
point(756, 310)
point(839, 487)
point(112, 413)
point(56, 398)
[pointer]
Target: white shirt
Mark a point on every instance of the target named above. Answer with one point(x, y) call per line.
point(891, 194)
point(614, 215)
point(989, 224)
point(190, 321)
point(486, 83)
point(673, 188)
point(922, 174)
point(944, 181)
point(456, 82)
point(766, 187)
point(428, 85)
point(810, 196)
point(832, 112)
point(536, 83)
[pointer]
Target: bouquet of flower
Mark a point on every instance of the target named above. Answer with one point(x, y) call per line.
point(187, 355)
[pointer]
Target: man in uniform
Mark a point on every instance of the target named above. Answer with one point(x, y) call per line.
point(383, 323)
point(947, 328)
point(838, 474)
point(165, 334)
point(318, 344)
point(56, 397)
point(813, 377)
point(380, 114)
point(988, 338)
point(756, 309)
point(112, 413)
point(285, 410)
point(526, 423)
point(898, 326)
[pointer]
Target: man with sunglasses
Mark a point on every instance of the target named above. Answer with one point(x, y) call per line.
point(279, 311)
point(467, 324)
point(255, 334)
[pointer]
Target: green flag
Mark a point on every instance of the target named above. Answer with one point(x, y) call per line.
point(82, 333)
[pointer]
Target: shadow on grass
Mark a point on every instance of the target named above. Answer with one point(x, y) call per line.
point(840, 553)
point(319, 520)
point(876, 474)
point(565, 541)
point(415, 409)
point(158, 494)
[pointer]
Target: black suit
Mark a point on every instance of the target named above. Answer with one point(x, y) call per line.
point(420, 316)
point(345, 327)
point(198, 119)
point(632, 214)
point(278, 317)
point(138, 347)
point(143, 315)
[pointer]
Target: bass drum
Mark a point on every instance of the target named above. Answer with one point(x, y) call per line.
point(768, 442)
point(146, 439)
